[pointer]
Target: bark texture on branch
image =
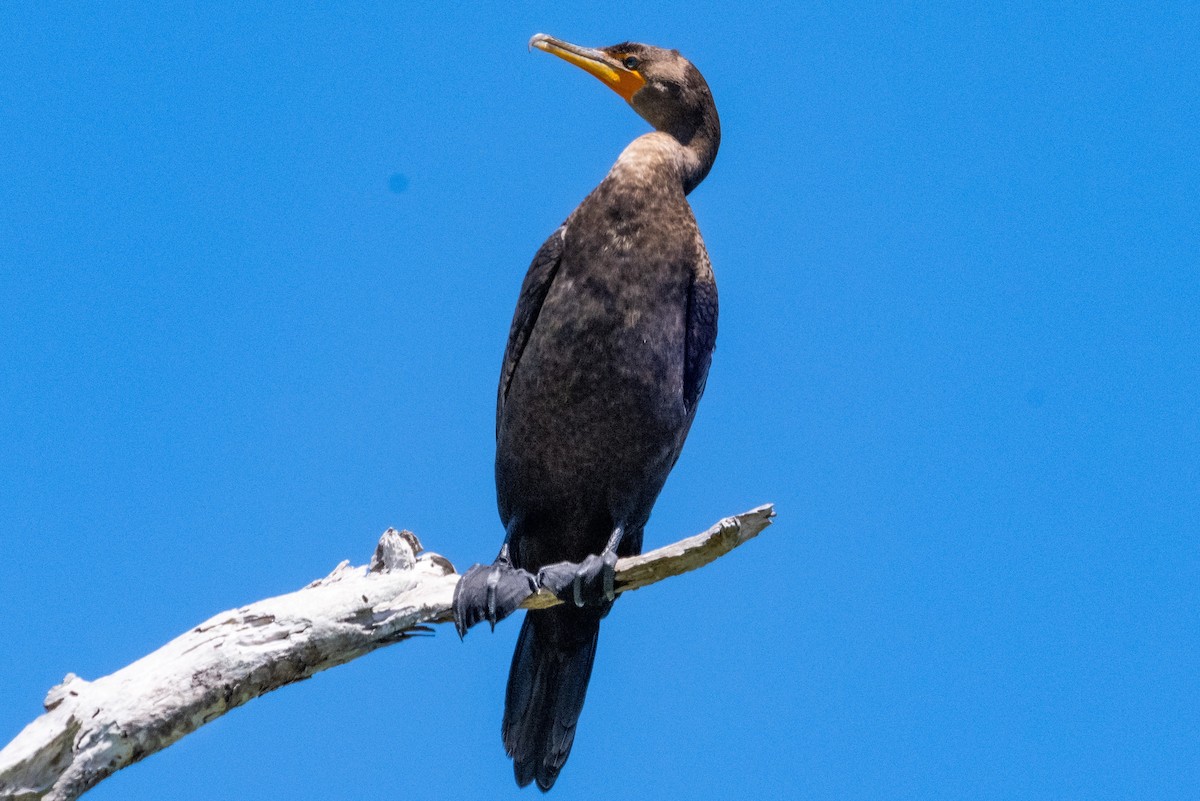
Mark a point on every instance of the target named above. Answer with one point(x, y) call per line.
point(93, 729)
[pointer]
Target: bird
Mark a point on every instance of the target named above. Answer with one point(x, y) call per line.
point(608, 355)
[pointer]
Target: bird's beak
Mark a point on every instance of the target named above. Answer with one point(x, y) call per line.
point(625, 82)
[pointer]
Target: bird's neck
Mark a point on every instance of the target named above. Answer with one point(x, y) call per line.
point(659, 156)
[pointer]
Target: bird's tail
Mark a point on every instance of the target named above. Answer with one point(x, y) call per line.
point(546, 687)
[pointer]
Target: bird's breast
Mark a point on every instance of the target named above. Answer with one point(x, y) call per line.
point(596, 401)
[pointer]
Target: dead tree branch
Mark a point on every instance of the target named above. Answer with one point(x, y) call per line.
point(91, 729)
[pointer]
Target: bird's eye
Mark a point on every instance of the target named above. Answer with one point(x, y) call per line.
point(631, 62)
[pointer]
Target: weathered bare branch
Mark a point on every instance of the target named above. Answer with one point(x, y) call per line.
point(92, 729)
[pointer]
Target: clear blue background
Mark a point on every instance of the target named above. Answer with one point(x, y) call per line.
point(257, 266)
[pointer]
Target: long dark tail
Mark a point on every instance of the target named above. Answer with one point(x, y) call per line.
point(546, 688)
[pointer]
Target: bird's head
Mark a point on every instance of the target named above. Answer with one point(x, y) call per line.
point(661, 85)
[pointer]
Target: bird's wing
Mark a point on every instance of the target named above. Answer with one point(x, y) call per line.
point(533, 293)
point(701, 335)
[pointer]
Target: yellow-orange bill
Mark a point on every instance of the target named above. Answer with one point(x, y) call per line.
point(625, 82)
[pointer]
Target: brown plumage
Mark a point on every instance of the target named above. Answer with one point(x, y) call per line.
point(606, 360)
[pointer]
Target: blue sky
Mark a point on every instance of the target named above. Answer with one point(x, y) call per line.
point(258, 265)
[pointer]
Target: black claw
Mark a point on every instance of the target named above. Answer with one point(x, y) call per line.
point(492, 580)
point(464, 613)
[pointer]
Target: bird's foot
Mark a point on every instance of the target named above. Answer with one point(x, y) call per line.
point(591, 582)
point(490, 592)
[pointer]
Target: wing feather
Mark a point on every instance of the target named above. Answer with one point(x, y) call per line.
point(529, 305)
point(701, 335)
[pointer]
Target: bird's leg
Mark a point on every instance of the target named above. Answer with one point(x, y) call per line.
point(608, 562)
point(491, 592)
point(591, 582)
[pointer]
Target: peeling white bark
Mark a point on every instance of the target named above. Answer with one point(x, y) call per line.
point(93, 729)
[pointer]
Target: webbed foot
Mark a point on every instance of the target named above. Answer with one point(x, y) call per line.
point(591, 582)
point(490, 592)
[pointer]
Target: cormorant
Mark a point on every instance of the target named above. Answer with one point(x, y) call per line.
point(607, 357)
